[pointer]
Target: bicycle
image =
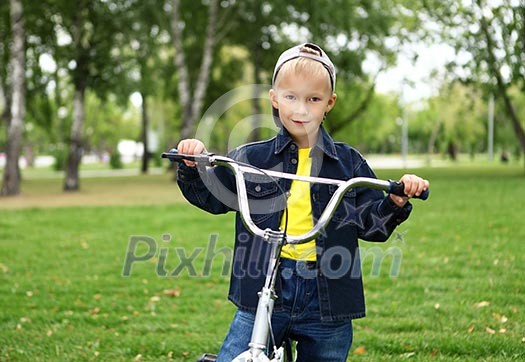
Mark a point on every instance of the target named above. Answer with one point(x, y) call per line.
point(261, 331)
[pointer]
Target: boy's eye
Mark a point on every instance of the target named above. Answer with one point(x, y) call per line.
point(289, 96)
point(315, 99)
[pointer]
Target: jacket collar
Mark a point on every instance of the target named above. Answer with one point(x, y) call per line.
point(325, 143)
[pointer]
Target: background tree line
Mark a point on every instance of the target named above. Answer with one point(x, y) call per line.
point(68, 69)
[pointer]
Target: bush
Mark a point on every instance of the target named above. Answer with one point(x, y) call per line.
point(60, 154)
point(115, 161)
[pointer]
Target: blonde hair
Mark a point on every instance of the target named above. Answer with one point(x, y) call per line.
point(304, 66)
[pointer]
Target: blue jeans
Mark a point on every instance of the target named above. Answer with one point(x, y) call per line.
point(300, 320)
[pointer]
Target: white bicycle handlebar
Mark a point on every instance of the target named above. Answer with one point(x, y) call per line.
point(239, 169)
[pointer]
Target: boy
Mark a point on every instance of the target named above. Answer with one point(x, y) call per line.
point(320, 287)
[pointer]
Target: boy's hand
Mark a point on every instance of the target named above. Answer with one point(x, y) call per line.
point(191, 146)
point(414, 186)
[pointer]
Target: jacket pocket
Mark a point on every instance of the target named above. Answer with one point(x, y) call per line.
point(346, 212)
point(264, 198)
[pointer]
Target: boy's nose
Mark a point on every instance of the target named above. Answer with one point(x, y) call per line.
point(301, 108)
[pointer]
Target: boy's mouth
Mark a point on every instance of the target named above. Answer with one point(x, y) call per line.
point(298, 122)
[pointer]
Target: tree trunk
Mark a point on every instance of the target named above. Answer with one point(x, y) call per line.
point(432, 142)
point(191, 101)
point(144, 135)
point(80, 76)
point(72, 182)
point(5, 101)
point(452, 150)
point(11, 179)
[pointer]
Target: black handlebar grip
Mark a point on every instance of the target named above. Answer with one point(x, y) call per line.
point(174, 155)
point(398, 188)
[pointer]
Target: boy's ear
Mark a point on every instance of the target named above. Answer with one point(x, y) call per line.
point(273, 98)
point(331, 102)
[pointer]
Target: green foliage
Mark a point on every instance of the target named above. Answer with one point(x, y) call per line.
point(115, 162)
point(375, 130)
point(118, 47)
point(60, 153)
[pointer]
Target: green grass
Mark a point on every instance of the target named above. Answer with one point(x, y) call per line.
point(459, 294)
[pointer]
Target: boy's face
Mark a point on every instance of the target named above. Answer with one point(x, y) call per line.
point(302, 101)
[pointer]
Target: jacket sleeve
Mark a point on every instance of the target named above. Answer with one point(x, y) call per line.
point(210, 189)
point(378, 214)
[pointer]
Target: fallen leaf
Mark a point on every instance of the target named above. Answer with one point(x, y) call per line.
point(154, 299)
point(85, 245)
point(4, 268)
point(360, 350)
point(138, 358)
point(97, 296)
point(482, 304)
point(29, 293)
point(408, 355)
point(502, 330)
point(185, 354)
point(490, 330)
point(94, 311)
point(49, 333)
point(437, 306)
point(471, 329)
point(172, 292)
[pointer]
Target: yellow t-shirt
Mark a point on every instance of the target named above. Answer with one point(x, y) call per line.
point(300, 212)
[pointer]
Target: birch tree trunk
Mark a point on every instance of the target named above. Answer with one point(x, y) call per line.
point(191, 100)
point(72, 182)
point(4, 102)
point(81, 73)
point(11, 179)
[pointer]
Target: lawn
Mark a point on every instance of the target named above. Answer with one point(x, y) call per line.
point(457, 295)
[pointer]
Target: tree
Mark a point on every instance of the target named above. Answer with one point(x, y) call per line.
point(490, 37)
point(11, 178)
point(454, 120)
point(92, 27)
point(145, 44)
point(191, 96)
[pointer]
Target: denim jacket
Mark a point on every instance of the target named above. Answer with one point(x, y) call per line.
point(364, 213)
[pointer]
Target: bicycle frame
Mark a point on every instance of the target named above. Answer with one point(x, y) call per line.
point(277, 239)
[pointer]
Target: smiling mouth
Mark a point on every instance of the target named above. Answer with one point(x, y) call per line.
point(299, 123)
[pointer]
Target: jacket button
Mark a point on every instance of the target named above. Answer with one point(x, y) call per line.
point(258, 188)
point(294, 161)
point(292, 147)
